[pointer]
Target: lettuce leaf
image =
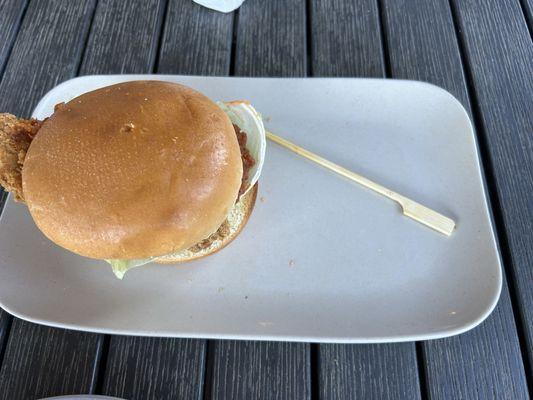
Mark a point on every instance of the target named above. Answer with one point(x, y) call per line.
point(120, 267)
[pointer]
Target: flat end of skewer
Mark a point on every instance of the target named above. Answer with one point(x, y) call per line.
point(430, 218)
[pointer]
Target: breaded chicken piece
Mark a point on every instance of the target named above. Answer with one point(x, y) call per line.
point(15, 138)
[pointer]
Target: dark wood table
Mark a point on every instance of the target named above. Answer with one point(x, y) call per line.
point(479, 50)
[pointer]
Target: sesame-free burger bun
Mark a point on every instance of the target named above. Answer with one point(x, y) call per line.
point(134, 170)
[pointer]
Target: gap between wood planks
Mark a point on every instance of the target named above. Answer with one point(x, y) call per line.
point(102, 351)
point(422, 377)
point(384, 39)
point(233, 45)
point(209, 361)
point(527, 16)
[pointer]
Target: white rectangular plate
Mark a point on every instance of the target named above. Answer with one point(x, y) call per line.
point(321, 258)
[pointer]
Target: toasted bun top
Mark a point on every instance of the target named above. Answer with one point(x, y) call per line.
point(133, 170)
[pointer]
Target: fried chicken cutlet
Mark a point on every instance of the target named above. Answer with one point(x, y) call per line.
point(15, 138)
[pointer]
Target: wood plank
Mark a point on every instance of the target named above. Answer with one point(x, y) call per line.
point(499, 53)
point(384, 371)
point(485, 362)
point(271, 38)
point(153, 368)
point(270, 41)
point(41, 361)
point(124, 39)
point(353, 48)
point(260, 370)
point(196, 40)
point(11, 12)
point(346, 39)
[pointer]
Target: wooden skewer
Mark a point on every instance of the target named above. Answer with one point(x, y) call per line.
point(410, 208)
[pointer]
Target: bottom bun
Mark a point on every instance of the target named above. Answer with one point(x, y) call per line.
point(237, 218)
